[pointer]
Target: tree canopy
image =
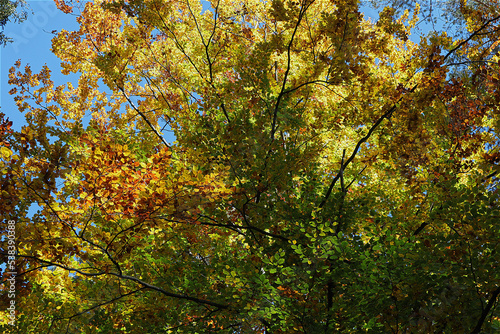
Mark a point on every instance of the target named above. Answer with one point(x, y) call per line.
point(328, 174)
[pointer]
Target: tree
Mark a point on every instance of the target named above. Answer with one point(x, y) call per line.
point(328, 174)
point(8, 12)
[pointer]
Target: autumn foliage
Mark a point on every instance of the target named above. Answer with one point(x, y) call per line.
point(328, 174)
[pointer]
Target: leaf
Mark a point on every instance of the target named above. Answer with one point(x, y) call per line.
point(5, 152)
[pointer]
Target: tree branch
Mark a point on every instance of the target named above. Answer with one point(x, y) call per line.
point(129, 278)
point(143, 116)
point(475, 33)
point(282, 92)
point(487, 309)
point(356, 149)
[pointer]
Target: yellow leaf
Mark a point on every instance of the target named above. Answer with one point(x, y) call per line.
point(5, 152)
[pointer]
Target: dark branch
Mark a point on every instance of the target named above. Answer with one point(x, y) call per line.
point(356, 149)
point(475, 33)
point(487, 309)
point(143, 116)
point(129, 278)
point(289, 59)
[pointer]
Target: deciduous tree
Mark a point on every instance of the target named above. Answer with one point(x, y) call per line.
point(328, 173)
